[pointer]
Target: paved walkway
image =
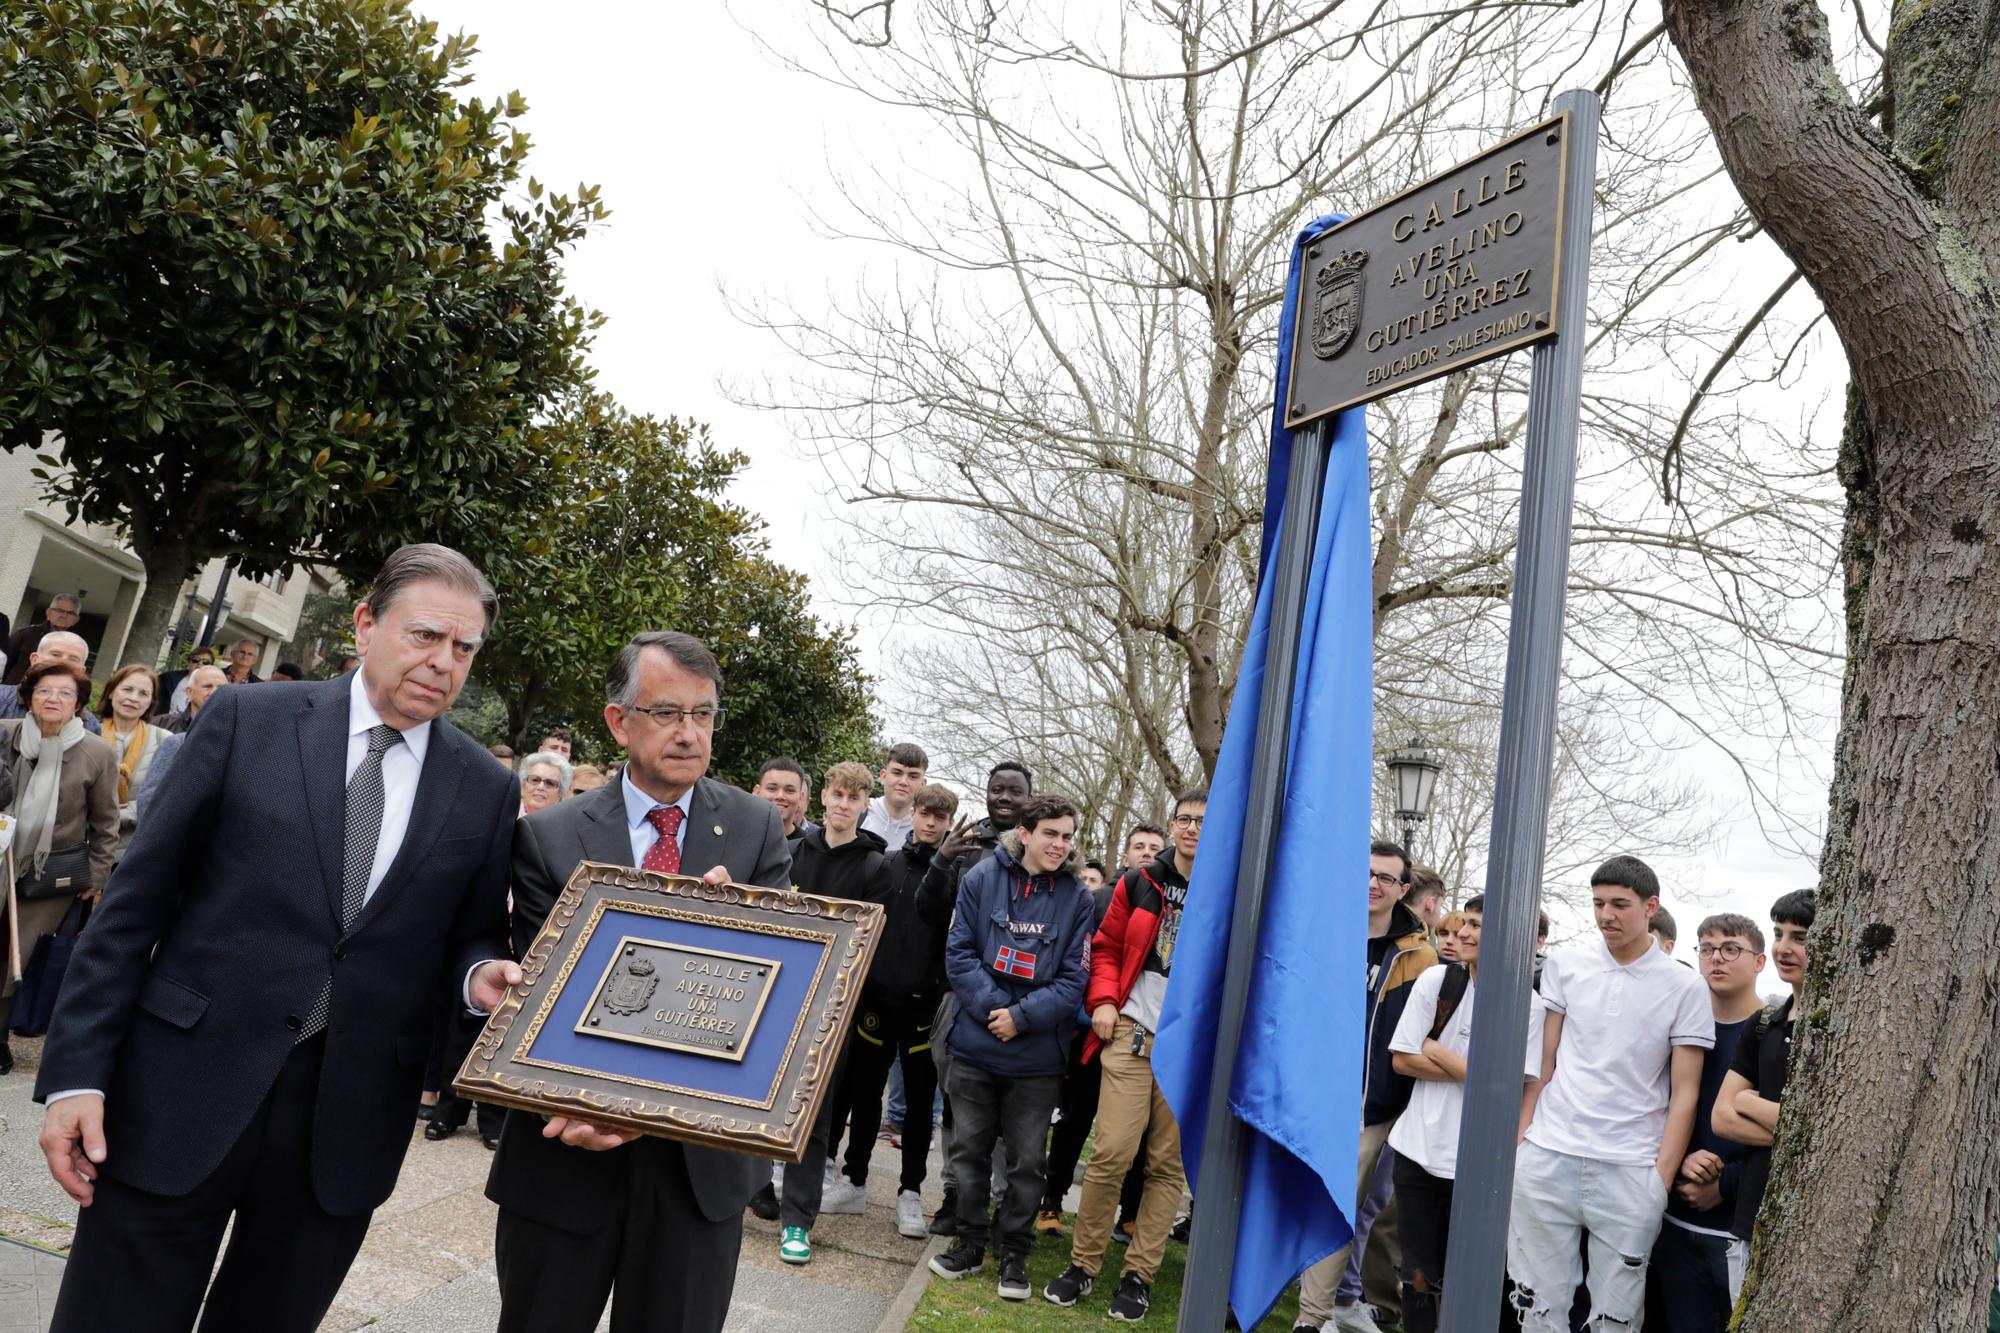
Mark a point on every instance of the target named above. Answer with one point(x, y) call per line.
point(427, 1266)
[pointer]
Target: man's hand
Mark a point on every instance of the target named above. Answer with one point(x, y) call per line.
point(1665, 1173)
point(1702, 1196)
point(1701, 1167)
point(586, 1134)
point(73, 1141)
point(1104, 1021)
point(1000, 1022)
point(955, 841)
point(716, 875)
point(490, 982)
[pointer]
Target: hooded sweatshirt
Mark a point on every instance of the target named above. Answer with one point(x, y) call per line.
point(909, 962)
point(847, 871)
point(1021, 943)
point(1405, 955)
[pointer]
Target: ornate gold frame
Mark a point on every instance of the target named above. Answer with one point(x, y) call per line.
point(498, 1071)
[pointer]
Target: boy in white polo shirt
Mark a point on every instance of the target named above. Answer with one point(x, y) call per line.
point(1623, 1042)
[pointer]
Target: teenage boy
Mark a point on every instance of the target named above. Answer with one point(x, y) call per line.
point(1622, 1050)
point(1130, 961)
point(1430, 1045)
point(837, 860)
point(1426, 896)
point(898, 1001)
point(1143, 846)
point(782, 782)
point(1399, 951)
point(1018, 958)
point(1687, 1283)
point(1746, 1109)
point(890, 814)
point(1092, 875)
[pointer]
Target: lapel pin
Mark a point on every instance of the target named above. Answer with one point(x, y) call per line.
point(718, 830)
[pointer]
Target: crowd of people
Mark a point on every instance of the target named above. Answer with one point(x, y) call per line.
point(1010, 1011)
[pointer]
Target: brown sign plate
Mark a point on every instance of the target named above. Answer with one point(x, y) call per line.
point(710, 1013)
point(680, 998)
point(1443, 276)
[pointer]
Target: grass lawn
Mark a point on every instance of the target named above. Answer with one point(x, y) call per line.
point(972, 1301)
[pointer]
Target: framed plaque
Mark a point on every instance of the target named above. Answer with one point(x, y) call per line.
point(710, 1013)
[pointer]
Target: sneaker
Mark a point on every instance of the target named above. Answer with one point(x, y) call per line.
point(962, 1258)
point(945, 1223)
point(844, 1196)
point(1014, 1278)
point(764, 1203)
point(1071, 1286)
point(794, 1247)
point(1182, 1225)
point(1134, 1298)
point(828, 1176)
point(1355, 1318)
point(1048, 1222)
point(1121, 1234)
point(910, 1215)
point(892, 1134)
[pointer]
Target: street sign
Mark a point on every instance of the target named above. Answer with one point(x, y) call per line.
point(1441, 277)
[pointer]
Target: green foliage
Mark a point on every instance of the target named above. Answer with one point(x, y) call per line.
point(325, 633)
point(273, 280)
point(634, 535)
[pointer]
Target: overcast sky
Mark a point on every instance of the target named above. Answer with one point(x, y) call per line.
point(712, 161)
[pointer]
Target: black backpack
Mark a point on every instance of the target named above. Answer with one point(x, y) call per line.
point(1456, 979)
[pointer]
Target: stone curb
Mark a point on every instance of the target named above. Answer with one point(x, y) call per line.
point(914, 1286)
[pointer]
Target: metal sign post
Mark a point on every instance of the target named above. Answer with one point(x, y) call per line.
point(1484, 1189)
point(1488, 257)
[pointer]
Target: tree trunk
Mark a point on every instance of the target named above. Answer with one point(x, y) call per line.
point(1885, 1193)
point(521, 712)
point(168, 564)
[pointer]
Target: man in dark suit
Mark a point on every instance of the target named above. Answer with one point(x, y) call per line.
point(243, 1028)
point(659, 1222)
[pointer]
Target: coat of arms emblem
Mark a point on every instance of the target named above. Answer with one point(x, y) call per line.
point(631, 989)
point(1337, 303)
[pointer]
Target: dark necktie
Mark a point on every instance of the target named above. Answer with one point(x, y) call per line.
point(665, 853)
point(365, 803)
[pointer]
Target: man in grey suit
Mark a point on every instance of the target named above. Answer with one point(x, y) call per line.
point(658, 1223)
point(242, 1032)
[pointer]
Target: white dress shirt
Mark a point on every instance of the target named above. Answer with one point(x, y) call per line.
point(638, 805)
point(401, 766)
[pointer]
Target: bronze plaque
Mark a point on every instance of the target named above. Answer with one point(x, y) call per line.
point(1441, 277)
point(687, 999)
point(713, 1014)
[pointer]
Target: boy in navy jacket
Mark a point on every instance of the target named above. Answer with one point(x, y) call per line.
point(1018, 958)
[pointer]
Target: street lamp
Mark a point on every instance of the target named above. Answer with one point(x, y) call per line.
point(1413, 771)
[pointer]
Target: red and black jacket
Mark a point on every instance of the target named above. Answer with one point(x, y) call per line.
point(1125, 940)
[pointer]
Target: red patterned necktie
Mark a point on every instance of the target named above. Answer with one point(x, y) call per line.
point(665, 853)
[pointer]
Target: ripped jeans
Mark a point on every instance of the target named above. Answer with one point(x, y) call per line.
point(1557, 1198)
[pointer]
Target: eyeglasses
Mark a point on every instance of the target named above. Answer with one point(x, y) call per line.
point(1186, 821)
point(53, 692)
point(529, 782)
point(1729, 949)
point(1384, 877)
point(669, 716)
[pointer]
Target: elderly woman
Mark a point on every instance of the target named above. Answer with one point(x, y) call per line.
point(588, 777)
point(65, 809)
point(545, 778)
point(128, 703)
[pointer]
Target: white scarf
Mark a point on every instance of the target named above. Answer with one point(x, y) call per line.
point(38, 785)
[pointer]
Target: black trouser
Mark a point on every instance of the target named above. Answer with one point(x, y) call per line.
point(805, 1182)
point(884, 1034)
point(1423, 1208)
point(140, 1262)
point(461, 1030)
point(665, 1267)
point(990, 1108)
point(1687, 1282)
point(1081, 1084)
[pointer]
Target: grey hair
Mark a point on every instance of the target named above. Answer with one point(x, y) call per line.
point(551, 759)
point(75, 601)
point(428, 562)
point(621, 687)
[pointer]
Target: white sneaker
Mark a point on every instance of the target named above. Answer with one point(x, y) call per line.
point(827, 1177)
point(910, 1215)
point(843, 1196)
point(1355, 1318)
point(778, 1176)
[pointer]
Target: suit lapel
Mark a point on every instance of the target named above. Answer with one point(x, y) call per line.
point(603, 832)
point(702, 848)
point(437, 789)
point(322, 726)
